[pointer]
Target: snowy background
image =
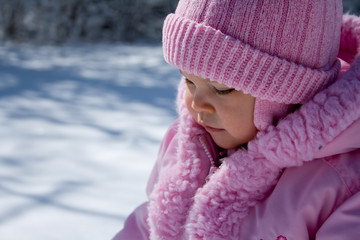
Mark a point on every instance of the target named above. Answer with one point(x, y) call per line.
point(80, 130)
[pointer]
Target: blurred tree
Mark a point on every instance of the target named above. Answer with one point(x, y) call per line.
point(352, 6)
point(82, 20)
point(44, 21)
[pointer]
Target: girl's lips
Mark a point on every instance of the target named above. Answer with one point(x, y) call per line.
point(211, 129)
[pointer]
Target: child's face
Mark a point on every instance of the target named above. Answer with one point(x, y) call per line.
point(225, 113)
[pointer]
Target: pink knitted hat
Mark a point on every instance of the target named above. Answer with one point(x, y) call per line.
point(279, 51)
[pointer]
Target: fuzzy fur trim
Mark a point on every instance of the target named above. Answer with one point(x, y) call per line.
point(350, 38)
point(172, 197)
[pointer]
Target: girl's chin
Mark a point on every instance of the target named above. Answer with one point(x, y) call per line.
point(225, 142)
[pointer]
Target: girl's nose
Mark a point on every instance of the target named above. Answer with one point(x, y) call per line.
point(199, 104)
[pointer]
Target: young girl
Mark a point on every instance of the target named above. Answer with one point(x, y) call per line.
point(267, 145)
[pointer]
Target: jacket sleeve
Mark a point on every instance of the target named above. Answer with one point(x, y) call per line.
point(344, 223)
point(136, 227)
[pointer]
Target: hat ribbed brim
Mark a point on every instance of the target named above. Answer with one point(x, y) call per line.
point(206, 52)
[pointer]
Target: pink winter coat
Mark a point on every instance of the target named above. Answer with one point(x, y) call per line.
point(298, 180)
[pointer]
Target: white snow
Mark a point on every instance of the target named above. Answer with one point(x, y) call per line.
point(80, 128)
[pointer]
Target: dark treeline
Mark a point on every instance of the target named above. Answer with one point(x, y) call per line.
point(43, 21)
point(56, 22)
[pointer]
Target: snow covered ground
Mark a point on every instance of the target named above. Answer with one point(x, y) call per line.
point(80, 127)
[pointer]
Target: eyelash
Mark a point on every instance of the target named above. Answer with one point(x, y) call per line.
point(224, 92)
point(217, 91)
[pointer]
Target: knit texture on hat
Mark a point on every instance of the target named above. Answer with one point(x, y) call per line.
point(277, 50)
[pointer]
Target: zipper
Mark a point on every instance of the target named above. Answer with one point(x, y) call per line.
point(206, 149)
point(215, 163)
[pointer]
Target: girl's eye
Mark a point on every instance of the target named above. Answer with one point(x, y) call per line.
point(218, 91)
point(188, 82)
point(224, 91)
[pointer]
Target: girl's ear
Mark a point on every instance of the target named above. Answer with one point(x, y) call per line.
point(267, 113)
